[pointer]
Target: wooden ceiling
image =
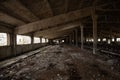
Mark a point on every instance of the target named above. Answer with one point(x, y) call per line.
point(39, 16)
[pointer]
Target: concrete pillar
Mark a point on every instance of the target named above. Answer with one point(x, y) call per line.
point(82, 39)
point(40, 39)
point(51, 41)
point(13, 43)
point(94, 18)
point(32, 39)
point(73, 40)
point(76, 37)
point(115, 39)
point(67, 39)
point(45, 40)
point(70, 39)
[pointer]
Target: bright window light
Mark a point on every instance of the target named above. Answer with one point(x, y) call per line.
point(113, 39)
point(63, 41)
point(87, 40)
point(109, 41)
point(99, 40)
point(36, 40)
point(43, 40)
point(92, 40)
point(23, 39)
point(47, 40)
point(3, 39)
point(118, 39)
point(104, 39)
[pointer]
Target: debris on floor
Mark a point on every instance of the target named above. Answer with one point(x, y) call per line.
point(62, 63)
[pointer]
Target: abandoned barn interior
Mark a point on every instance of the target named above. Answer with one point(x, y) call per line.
point(59, 39)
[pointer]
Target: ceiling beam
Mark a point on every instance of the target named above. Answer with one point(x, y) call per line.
point(49, 7)
point(53, 21)
point(60, 34)
point(10, 20)
point(5, 29)
point(66, 5)
point(7, 25)
point(58, 28)
point(17, 7)
point(81, 3)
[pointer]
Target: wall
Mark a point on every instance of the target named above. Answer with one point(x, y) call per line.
point(6, 51)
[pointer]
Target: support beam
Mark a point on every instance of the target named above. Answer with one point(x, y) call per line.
point(13, 43)
point(54, 21)
point(5, 29)
point(76, 37)
point(40, 39)
point(45, 40)
point(50, 41)
point(70, 39)
point(66, 5)
point(82, 38)
point(58, 29)
point(10, 20)
point(94, 18)
point(57, 35)
point(73, 37)
point(18, 8)
point(32, 39)
point(49, 7)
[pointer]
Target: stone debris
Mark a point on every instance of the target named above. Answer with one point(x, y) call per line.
point(62, 63)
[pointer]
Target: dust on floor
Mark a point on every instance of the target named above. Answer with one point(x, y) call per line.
point(62, 62)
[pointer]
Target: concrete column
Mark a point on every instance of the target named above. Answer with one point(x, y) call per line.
point(76, 37)
point(45, 40)
point(40, 39)
point(51, 41)
point(70, 39)
point(13, 43)
point(115, 39)
point(94, 18)
point(67, 39)
point(32, 39)
point(82, 39)
point(73, 40)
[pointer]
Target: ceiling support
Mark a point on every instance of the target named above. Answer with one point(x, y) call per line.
point(40, 39)
point(13, 43)
point(76, 37)
point(94, 18)
point(82, 38)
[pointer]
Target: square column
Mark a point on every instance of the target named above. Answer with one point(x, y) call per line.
point(13, 42)
point(40, 39)
point(94, 18)
point(76, 37)
point(82, 39)
point(32, 39)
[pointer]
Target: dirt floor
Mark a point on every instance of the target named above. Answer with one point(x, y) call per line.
point(62, 62)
